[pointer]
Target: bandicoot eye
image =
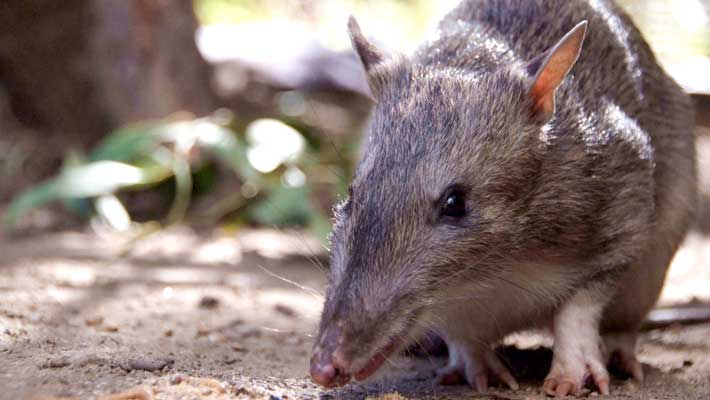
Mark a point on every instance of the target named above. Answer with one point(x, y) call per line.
point(454, 205)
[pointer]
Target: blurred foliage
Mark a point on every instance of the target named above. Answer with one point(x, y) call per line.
point(676, 29)
point(401, 22)
point(278, 168)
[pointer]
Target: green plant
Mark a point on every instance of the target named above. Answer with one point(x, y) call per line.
point(279, 171)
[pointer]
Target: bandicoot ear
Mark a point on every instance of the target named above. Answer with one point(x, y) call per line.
point(368, 53)
point(551, 68)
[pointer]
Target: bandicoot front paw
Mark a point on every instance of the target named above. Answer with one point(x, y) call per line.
point(568, 377)
point(577, 349)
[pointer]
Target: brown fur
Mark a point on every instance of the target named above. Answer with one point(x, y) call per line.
point(599, 196)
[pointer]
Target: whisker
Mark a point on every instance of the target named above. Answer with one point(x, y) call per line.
point(466, 269)
point(332, 143)
point(308, 290)
point(311, 256)
point(314, 257)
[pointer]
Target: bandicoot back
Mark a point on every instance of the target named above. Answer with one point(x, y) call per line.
point(531, 166)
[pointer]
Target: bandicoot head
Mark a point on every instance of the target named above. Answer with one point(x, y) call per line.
point(438, 201)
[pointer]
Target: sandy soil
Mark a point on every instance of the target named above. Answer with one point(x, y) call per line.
point(222, 315)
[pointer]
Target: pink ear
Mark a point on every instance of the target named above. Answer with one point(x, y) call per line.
point(553, 70)
point(368, 53)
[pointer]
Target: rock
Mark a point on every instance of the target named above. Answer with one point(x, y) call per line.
point(94, 321)
point(285, 310)
point(239, 349)
point(133, 394)
point(150, 365)
point(58, 362)
point(208, 302)
point(230, 360)
point(110, 328)
point(252, 333)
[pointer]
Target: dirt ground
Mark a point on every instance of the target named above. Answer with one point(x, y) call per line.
point(222, 315)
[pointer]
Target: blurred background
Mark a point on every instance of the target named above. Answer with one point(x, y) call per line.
point(141, 114)
point(167, 173)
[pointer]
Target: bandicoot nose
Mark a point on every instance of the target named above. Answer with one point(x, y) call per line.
point(329, 374)
point(327, 367)
point(323, 374)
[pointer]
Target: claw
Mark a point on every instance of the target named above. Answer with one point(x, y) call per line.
point(481, 383)
point(553, 387)
point(508, 379)
point(564, 389)
point(635, 369)
point(625, 363)
point(450, 376)
point(622, 347)
point(475, 367)
point(549, 387)
point(571, 369)
point(600, 376)
point(603, 387)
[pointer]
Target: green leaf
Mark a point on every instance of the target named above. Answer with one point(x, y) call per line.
point(33, 198)
point(88, 180)
point(228, 149)
point(102, 177)
point(110, 209)
point(283, 206)
point(183, 191)
point(128, 143)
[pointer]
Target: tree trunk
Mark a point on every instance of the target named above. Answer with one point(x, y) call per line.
point(147, 60)
point(46, 69)
point(78, 68)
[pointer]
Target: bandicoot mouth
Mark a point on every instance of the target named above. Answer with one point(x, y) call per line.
point(377, 360)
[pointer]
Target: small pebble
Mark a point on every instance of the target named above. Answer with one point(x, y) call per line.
point(149, 365)
point(59, 362)
point(218, 337)
point(241, 390)
point(252, 333)
point(630, 385)
point(239, 348)
point(176, 379)
point(133, 394)
point(208, 302)
point(687, 363)
point(285, 310)
point(94, 321)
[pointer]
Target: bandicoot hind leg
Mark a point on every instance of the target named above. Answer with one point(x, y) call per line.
point(475, 365)
point(621, 350)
